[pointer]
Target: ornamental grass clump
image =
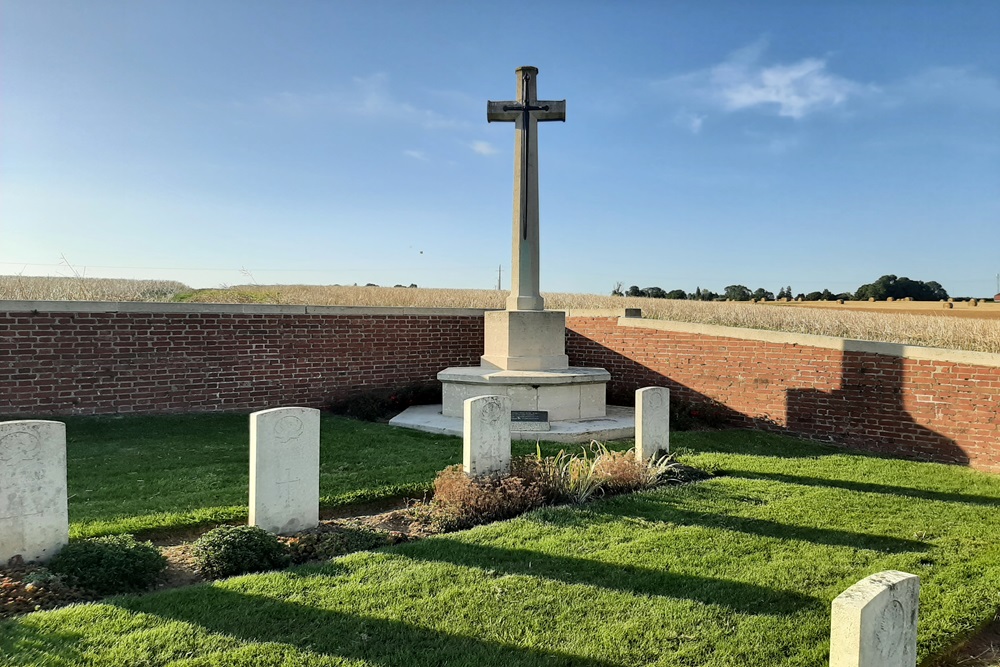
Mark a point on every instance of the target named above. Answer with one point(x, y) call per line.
point(109, 565)
point(230, 550)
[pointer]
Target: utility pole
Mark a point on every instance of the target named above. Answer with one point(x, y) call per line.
point(499, 276)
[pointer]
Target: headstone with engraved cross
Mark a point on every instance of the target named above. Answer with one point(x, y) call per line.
point(284, 469)
point(525, 112)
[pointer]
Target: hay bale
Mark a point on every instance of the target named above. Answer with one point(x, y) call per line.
point(890, 299)
point(948, 304)
point(871, 299)
point(840, 301)
point(974, 302)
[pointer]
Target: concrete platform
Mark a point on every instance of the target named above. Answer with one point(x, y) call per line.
point(619, 424)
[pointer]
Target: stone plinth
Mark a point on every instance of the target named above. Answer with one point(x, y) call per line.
point(570, 393)
point(34, 521)
point(284, 469)
point(525, 340)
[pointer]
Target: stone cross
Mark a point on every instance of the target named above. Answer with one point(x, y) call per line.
point(34, 522)
point(284, 469)
point(525, 112)
point(874, 622)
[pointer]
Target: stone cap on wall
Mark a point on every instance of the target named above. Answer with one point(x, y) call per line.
point(917, 352)
point(223, 308)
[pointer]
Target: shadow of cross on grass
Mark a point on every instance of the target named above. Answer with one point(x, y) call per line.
point(256, 618)
point(665, 512)
point(734, 595)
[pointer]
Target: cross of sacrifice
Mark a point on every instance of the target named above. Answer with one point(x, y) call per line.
point(525, 112)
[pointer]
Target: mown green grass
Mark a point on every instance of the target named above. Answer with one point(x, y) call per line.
point(737, 570)
point(156, 474)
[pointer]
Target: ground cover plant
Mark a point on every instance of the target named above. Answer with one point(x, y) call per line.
point(739, 569)
point(151, 475)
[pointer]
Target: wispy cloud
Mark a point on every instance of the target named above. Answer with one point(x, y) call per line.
point(690, 121)
point(416, 155)
point(483, 148)
point(951, 86)
point(742, 81)
point(364, 98)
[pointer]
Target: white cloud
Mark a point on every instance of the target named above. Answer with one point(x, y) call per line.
point(365, 97)
point(416, 155)
point(741, 82)
point(690, 121)
point(483, 148)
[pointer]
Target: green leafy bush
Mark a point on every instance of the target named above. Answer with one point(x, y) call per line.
point(109, 565)
point(230, 550)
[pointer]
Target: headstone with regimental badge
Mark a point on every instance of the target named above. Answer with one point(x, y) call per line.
point(284, 469)
point(874, 622)
point(34, 520)
point(486, 436)
point(652, 422)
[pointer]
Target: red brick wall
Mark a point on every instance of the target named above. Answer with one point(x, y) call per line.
point(54, 363)
point(930, 410)
point(59, 363)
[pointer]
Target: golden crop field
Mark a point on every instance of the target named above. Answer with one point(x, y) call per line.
point(963, 326)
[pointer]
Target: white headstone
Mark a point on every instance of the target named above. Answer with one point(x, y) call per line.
point(34, 521)
point(486, 441)
point(652, 422)
point(874, 622)
point(284, 469)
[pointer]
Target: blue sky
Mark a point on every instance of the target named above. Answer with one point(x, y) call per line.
point(708, 143)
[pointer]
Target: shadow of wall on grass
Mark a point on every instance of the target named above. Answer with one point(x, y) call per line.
point(865, 487)
point(23, 644)
point(257, 618)
point(738, 596)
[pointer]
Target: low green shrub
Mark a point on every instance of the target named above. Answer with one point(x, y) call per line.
point(230, 550)
point(109, 565)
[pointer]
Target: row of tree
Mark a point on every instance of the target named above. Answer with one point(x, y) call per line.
point(888, 286)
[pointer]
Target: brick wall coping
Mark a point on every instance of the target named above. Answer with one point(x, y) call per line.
point(260, 309)
point(222, 308)
point(988, 359)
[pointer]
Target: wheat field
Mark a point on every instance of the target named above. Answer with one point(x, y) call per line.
point(961, 327)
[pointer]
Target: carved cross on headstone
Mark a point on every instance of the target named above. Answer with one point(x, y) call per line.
point(525, 112)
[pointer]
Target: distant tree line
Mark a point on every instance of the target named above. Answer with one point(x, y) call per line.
point(888, 286)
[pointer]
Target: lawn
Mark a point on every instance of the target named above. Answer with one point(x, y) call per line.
point(736, 570)
point(185, 471)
